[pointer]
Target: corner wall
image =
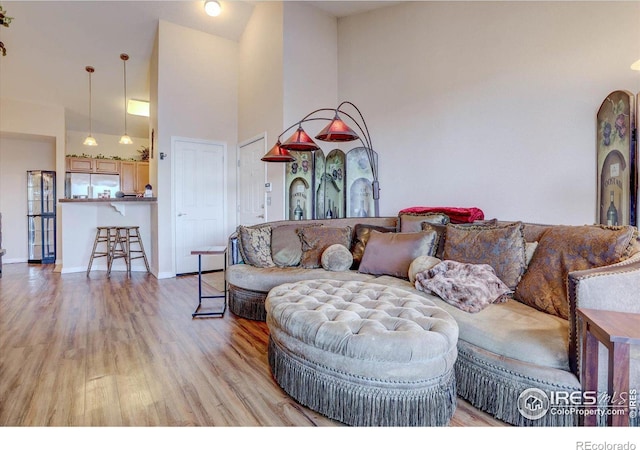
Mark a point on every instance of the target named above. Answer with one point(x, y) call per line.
point(195, 97)
point(489, 104)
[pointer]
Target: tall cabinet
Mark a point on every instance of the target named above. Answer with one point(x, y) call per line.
point(41, 216)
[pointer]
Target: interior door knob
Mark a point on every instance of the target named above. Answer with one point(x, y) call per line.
point(182, 214)
point(261, 216)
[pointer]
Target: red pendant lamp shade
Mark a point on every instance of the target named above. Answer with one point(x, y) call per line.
point(278, 154)
point(337, 131)
point(300, 141)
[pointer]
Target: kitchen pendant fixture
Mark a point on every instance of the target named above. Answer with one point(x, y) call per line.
point(125, 139)
point(90, 140)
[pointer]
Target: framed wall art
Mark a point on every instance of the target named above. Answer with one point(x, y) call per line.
point(617, 165)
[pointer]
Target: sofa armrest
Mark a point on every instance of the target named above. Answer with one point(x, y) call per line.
point(233, 247)
point(613, 288)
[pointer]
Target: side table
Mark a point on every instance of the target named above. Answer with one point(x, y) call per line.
point(213, 250)
point(617, 331)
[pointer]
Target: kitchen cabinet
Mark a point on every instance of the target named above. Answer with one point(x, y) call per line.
point(134, 175)
point(92, 165)
point(106, 166)
point(80, 164)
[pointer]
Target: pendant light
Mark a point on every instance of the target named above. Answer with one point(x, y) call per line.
point(125, 139)
point(300, 141)
point(89, 140)
point(278, 154)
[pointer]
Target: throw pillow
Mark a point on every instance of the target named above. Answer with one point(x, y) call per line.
point(529, 250)
point(421, 264)
point(392, 253)
point(563, 249)
point(361, 233)
point(336, 258)
point(286, 248)
point(501, 247)
point(412, 222)
point(468, 287)
point(255, 245)
point(315, 241)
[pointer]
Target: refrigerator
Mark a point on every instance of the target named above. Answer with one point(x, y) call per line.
point(91, 185)
point(41, 216)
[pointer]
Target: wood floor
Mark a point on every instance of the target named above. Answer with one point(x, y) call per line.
point(97, 351)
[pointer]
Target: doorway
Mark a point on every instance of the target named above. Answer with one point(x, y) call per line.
point(200, 201)
point(252, 175)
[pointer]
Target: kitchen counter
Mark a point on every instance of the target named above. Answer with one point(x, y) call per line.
point(108, 200)
point(81, 216)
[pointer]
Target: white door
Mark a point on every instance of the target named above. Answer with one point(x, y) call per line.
point(251, 181)
point(199, 193)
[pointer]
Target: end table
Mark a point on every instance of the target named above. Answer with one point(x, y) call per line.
point(617, 331)
point(213, 250)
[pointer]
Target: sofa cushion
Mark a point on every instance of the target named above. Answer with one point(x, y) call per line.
point(263, 279)
point(361, 233)
point(412, 222)
point(563, 249)
point(255, 245)
point(510, 329)
point(502, 247)
point(315, 240)
point(286, 248)
point(392, 253)
point(336, 258)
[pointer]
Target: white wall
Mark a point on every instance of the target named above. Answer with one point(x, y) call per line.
point(261, 92)
point(35, 122)
point(490, 104)
point(197, 97)
point(18, 154)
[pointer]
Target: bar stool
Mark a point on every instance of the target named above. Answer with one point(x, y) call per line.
point(106, 236)
point(122, 247)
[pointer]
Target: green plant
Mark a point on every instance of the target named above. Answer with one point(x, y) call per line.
point(144, 153)
point(4, 21)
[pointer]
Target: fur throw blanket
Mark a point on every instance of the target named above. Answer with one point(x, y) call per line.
point(469, 287)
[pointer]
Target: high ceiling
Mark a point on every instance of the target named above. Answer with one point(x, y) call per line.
point(49, 43)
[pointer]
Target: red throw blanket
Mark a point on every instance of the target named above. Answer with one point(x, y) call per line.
point(456, 215)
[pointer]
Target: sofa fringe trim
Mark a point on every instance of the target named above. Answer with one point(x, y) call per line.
point(358, 405)
point(497, 393)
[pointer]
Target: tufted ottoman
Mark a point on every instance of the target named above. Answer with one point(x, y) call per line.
point(363, 353)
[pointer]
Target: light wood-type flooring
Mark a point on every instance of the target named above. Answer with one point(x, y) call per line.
point(125, 351)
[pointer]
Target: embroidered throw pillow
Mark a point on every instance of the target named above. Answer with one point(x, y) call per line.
point(502, 247)
point(412, 222)
point(315, 241)
point(392, 253)
point(255, 245)
point(286, 248)
point(563, 249)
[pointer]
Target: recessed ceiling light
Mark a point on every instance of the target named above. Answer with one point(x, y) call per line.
point(212, 8)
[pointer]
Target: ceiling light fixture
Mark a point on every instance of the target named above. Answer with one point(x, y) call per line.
point(138, 107)
point(636, 65)
point(212, 8)
point(125, 139)
point(89, 140)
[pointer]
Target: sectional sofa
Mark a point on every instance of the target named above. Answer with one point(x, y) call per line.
point(530, 341)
